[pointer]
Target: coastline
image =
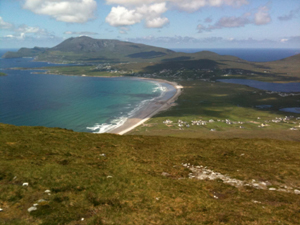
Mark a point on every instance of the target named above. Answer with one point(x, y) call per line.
point(161, 103)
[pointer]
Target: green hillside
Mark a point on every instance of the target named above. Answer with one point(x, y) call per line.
point(82, 178)
point(89, 50)
point(25, 52)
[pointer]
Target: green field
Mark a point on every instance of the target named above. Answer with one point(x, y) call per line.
point(80, 71)
point(141, 179)
point(204, 101)
point(67, 177)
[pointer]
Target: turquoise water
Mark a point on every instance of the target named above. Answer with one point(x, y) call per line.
point(85, 104)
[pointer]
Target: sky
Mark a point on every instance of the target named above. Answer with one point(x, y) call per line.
point(163, 23)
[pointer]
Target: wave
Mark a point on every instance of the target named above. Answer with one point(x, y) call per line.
point(115, 123)
point(105, 127)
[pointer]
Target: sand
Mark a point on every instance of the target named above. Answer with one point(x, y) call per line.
point(149, 110)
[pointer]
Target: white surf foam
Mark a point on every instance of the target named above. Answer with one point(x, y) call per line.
point(105, 127)
point(115, 123)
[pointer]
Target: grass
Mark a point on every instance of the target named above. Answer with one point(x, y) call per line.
point(126, 186)
point(79, 70)
point(70, 164)
point(2, 74)
point(220, 101)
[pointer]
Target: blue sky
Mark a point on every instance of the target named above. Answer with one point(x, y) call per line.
point(164, 23)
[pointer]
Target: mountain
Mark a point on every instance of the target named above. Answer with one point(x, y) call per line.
point(25, 52)
point(86, 49)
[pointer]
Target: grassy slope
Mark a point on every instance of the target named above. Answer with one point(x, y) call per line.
point(70, 165)
point(79, 70)
point(205, 100)
point(285, 70)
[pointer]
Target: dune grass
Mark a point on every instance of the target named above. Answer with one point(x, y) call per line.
point(126, 185)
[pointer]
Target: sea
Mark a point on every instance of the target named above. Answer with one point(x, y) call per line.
point(83, 104)
point(86, 104)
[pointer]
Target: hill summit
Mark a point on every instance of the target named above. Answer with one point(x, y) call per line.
point(86, 49)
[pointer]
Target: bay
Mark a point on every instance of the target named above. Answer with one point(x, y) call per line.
point(85, 104)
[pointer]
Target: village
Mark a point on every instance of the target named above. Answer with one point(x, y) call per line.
point(294, 123)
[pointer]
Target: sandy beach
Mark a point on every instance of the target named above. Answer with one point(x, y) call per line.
point(165, 101)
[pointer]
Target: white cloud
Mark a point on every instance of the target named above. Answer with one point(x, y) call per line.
point(233, 21)
point(123, 30)
point(34, 30)
point(184, 5)
point(80, 33)
point(5, 25)
point(208, 20)
point(71, 11)
point(262, 16)
point(121, 16)
point(292, 14)
point(129, 12)
point(9, 36)
point(157, 22)
point(226, 22)
point(133, 2)
point(211, 42)
point(21, 29)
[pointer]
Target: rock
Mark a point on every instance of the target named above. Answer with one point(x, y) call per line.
point(47, 191)
point(32, 208)
point(41, 200)
point(297, 192)
point(272, 189)
point(25, 184)
point(1, 210)
point(109, 177)
point(256, 202)
point(35, 204)
point(268, 183)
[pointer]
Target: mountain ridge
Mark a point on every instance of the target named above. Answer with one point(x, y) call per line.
point(85, 49)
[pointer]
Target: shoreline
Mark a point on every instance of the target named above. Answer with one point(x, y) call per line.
point(152, 108)
point(155, 106)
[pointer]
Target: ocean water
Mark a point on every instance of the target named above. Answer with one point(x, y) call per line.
point(253, 54)
point(85, 104)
